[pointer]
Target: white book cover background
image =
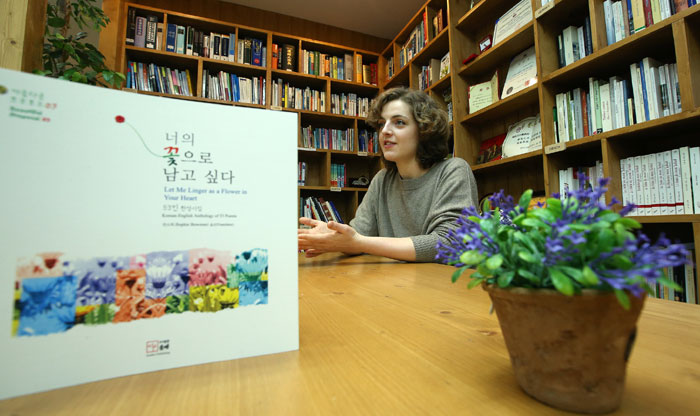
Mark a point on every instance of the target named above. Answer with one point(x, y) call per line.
point(113, 266)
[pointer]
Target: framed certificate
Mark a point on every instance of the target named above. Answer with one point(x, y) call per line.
point(515, 18)
point(483, 95)
point(522, 73)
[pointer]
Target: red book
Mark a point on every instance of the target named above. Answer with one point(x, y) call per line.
point(584, 112)
point(648, 16)
point(275, 55)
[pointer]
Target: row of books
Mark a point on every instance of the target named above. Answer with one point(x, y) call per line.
point(627, 17)
point(230, 87)
point(148, 33)
point(650, 92)
point(390, 68)
point(684, 276)
point(154, 78)
point(284, 57)
point(575, 43)
point(287, 96)
point(570, 178)
point(319, 209)
point(334, 139)
point(434, 71)
point(439, 22)
point(321, 64)
point(664, 183)
point(368, 141)
point(338, 175)
point(301, 178)
point(350, 105)
point(417, 40)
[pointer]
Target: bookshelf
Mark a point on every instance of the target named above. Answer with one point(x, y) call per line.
point(418, 54)
point(318, 160)
point(674, 39)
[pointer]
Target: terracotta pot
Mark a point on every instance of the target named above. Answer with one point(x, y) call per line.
point(568, 352)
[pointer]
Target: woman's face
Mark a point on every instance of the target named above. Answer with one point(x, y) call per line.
point(398, 133)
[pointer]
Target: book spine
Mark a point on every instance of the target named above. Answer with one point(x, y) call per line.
point(151, 30)
point(686, 180)
point(638, 18)
point(695, 177)
point(140, 34)
point(131, 26)
point(655, 196)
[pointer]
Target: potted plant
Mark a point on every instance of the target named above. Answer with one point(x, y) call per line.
point(68, 56)
point(568, 281)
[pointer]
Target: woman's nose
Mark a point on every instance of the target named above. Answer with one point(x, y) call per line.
point(384, 130)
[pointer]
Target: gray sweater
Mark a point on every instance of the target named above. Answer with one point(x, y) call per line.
point(423, 208)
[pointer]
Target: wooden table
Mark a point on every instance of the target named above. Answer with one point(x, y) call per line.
point(384, 337)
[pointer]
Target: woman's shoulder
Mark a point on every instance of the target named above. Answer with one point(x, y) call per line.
point(452, 164)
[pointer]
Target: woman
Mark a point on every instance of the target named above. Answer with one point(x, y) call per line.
point(415, 199)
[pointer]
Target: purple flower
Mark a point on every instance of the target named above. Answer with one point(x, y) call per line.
point(579, 233)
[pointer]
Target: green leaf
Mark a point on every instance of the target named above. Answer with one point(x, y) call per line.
point(475, 282)
point(629, 223)
point(573, 272)
point(544, 214)
point(526, 256)
point(606, 239)
point(589, 277)
point(533, 223)
point(504, 279)
point(599, 225)
point(458, 273)
point(669, 283)
point(56, 22)
point(561, 282)
point(554, 205)
point(486, 206)
point(494, 262)
point(608, 216)
point(529, 276)
point(580, 227)
point(525, 199)
point(622, 298)
point(471, 257)
point(621, 262)
point(483, 270)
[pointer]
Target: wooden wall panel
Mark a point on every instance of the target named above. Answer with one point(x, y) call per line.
point(21, 33)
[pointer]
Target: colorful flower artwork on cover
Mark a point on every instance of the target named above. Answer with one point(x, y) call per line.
point(55, 292)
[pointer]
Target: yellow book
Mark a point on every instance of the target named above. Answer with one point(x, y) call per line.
point(189, 83)
point(655, 10)
point(358, 68)
point(638, 15)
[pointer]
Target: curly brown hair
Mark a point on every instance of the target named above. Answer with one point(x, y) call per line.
point(433, 127)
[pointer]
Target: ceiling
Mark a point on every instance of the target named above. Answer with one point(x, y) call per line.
point(381, 18)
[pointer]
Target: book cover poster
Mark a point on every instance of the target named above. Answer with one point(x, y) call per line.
point(140, 233)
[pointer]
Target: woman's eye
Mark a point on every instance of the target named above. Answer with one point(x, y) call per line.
point(400, 122)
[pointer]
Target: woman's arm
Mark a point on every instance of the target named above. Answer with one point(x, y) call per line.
point(332, 236)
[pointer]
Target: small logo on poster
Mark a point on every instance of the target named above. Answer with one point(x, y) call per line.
point(161, 347)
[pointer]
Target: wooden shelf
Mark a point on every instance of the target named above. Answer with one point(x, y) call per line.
point(439, 46)
point(501, 107)
point(511, 46)
point(441, 84)
point(667, 219)
point(611, 58)
point(526, 157)
point(484, 13)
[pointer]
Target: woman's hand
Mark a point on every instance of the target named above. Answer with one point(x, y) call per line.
point(327, 237)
